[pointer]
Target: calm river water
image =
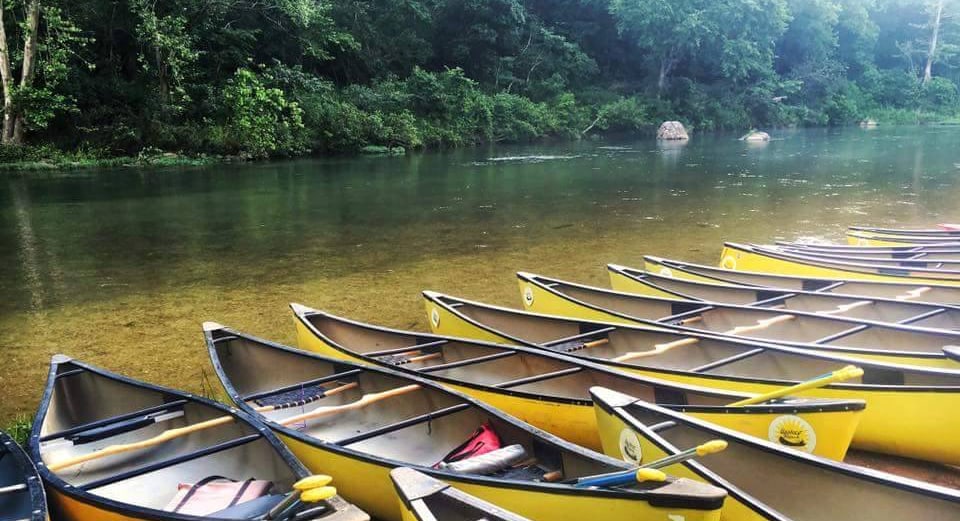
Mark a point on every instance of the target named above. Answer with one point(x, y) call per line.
point(121, 267)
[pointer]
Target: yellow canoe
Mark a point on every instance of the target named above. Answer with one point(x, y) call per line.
point(850, 337)
point(750, 258)
point(910, 410)
point(551, 391)
point(359, 422)
point(21, 491)
point(765, 481)
point(886, 310)
point(928, 254)
point(871, 236)
point(904, 291)
point(423, 498)
point(86, 410)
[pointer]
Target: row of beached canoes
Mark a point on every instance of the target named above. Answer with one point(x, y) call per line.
point(587, 399)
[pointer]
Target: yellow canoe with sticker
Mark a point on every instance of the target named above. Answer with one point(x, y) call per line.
point(551, 391)
point(911, 411)
point(902, 291)
point(753, 258)
point(855, 338)
point(359, 422)
point(765, 481)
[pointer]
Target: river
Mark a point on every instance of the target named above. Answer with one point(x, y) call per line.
point(120, 267)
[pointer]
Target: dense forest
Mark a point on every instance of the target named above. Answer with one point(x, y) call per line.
point(261, 78)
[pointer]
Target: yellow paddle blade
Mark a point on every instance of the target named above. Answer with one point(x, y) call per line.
point(315, 495)
point(711, 447)
point(650, 475)
point(311, 482)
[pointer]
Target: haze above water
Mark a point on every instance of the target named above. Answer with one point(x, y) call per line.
point(121, 267)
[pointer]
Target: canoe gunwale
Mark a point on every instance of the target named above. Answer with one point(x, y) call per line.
point(748, 343)
point(709, 306)
point(77, 493)
point(650, 279)
point(875, 476)
point(827, 405)
point(387, 463)
point(38, 498)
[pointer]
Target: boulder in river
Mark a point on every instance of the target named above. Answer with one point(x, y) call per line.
point(672, 131)
point(755, 135)
point(868, 123)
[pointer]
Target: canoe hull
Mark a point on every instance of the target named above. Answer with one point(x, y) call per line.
point(894, 498)
point(538, 300)
point(368, 485)
point(906, 422)
point(830, 432)
point(737, 259)
point(931, 294)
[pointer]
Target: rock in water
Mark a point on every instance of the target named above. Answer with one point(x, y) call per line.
point(672, 130)
point(868, 123)
point(755, 135)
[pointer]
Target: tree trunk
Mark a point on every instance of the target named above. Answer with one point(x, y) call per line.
point(666, 67)
point(29, 65)
point(7, 83)
point(932, 51)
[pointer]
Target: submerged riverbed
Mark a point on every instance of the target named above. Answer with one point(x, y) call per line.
point(120, 267)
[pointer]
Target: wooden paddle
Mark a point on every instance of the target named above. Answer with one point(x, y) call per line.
point(847, 307)
point(914, 293)
point(658, 349)
point(761, 324)
point(364, 401)
point(839, 375)
point(172, 434)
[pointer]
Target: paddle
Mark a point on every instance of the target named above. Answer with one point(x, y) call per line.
point(839, 375)
point(171, 434)
point(642, 473)
point(311, 489)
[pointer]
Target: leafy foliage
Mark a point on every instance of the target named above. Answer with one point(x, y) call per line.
point(263, 78)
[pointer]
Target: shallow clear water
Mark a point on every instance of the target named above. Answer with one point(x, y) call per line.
point(121, 267)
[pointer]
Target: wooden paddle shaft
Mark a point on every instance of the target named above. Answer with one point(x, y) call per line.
point(914, 293)
point(658, 349)
point(365, 400)
point(761, 324)
point(847, 307)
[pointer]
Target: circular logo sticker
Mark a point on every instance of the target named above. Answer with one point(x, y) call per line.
point(729, 262)
point(528, 296)
point(630, 449)
point(434, 317)
point(665, 271)
point(792, 431)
